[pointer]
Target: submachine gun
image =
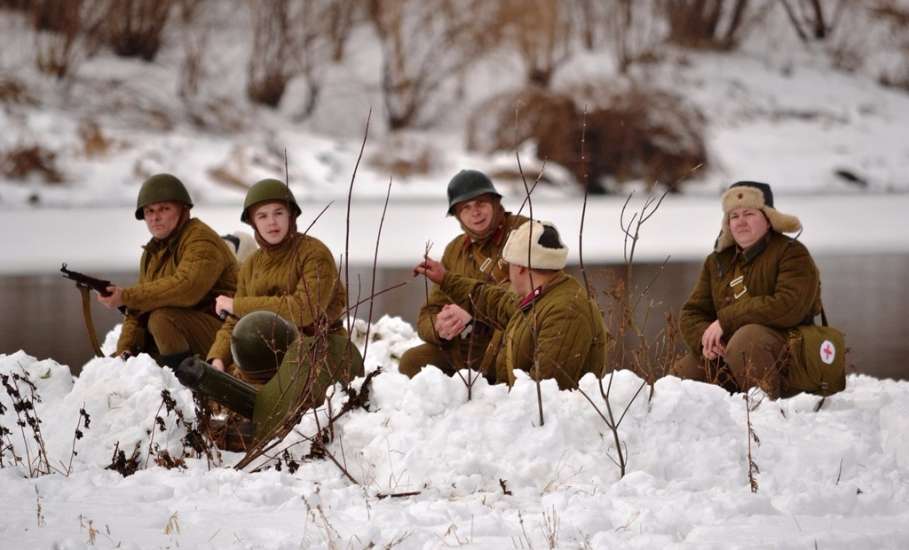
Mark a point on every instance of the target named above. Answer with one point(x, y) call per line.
point(86, 283)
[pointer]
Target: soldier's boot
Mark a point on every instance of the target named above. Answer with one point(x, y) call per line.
point(756, 355)
point(223, 388)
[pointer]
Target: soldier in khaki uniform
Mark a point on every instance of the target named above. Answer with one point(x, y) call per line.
point(755, 286)
point(292, 275)
point(453, 338)
point(183, 267)
point(551, 328)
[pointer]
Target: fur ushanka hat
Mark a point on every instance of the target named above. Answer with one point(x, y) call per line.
point(541, 257)
point(753, 194)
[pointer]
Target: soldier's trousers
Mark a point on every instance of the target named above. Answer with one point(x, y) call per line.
point(420, 356)
point(755, 356)
point(178, 330)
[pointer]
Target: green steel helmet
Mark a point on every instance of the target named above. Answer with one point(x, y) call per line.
point(266, 190)
point(260, 339)
point(466, 185)
point(161, 188)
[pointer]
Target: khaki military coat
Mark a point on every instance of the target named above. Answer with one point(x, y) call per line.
point(775, 283)
point(561, 330)
point(296, 279)
point(189, 269)
point(482, 261)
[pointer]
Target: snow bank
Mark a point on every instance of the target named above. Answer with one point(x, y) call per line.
point(486, 473)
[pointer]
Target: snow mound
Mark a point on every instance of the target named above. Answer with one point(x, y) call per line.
point(428, 467)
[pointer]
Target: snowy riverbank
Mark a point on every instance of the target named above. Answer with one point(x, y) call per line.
point(835, 478)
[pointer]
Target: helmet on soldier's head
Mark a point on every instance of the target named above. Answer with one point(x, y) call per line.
point(466, 185)
point(268, 190)
point(161, 188)
point(260, 339)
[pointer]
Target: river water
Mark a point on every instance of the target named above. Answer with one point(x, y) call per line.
point(864, 295)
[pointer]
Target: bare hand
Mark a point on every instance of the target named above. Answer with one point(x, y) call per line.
point(451, 321)
point(217, 364)
point(433, 270)
point(224, 303)
point(712, 341)
point(114, 299)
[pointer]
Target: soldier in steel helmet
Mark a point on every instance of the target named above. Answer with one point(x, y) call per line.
point(183, 268)
point(451, 334)
point(292, 275)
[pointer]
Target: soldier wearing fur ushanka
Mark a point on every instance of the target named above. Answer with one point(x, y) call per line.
point(756, 286)
point(170, 310)
point(551, 327)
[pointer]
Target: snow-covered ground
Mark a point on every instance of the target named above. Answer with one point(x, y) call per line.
point(486, 473)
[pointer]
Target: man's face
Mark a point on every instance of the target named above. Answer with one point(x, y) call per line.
point(748, 226)
point(476, 214)
point(162, 218)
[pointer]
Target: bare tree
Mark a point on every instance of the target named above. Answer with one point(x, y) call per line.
point(810, 20)
point(705, 23)
point(268, 69)
point(134, 28)
point(541, 32)
point(424, 44)
point(195, 42)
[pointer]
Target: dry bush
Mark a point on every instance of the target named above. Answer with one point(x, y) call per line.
point(705, 23)
point(813, 19)
point(56, 48)
point(631, 134)
point(194, 37)
point(20, 162)
point(94, 142)
point(400, 156)
point(541, 31)
point(134, 28)
point(268, 70)
point(424, 44)
point(504, 121)
point(896, 16)
point(13, 91)
point(293, 39)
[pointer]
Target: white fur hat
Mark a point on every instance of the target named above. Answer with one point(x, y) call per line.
point(541, 257)
point(242, 244)
point(752, 194)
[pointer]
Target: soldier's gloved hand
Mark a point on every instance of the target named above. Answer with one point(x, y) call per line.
point(217, 364)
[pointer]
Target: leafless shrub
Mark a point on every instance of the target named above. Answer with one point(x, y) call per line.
point(714, 24)
point(134, 28)
point(424, 44)
point(194, 36)
point(896, 17)
point(23, 396)
point(753, 469)
point(268, 70)
point(541, 31)
point(635, 133)
point(401, 155)
point(56, 48)
point(94, 142)
point(22, 161)
point(811, 20)
point(635, 33)
point(13, 91)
